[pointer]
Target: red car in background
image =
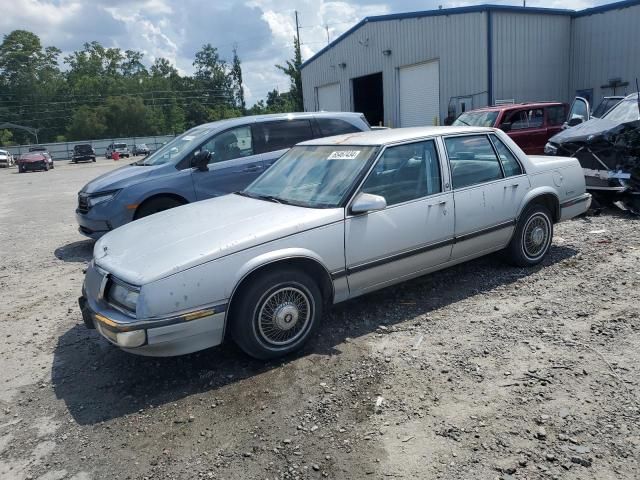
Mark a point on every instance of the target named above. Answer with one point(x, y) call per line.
point(34, 161)
point(530, 125)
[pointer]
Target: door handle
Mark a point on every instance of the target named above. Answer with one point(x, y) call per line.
point(252, 168)
point(515, 185)
point(439, 204)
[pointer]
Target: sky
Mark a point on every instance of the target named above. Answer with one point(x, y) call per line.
point(263, 30)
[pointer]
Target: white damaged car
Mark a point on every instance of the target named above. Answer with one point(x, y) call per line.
point(334, 218)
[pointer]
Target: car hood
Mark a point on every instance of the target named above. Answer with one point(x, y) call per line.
point(583, 131)
point(168, 242)
point(123, 177)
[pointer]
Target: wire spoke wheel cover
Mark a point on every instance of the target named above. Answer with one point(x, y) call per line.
point(284, 315)
point(536, 236)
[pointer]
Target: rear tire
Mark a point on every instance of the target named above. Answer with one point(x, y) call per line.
point(156, 205)
point(532, 237)
point(276, 313)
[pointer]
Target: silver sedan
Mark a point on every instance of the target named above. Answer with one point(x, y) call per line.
point(334, 218)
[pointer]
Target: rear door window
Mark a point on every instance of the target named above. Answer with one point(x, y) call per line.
point(335, 126)
point(509, 162)
point(528, 118)
point(472, 160)
point(555, 115)
point(278, 135)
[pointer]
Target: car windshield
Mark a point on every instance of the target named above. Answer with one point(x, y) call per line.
point(626, 111)
point(312, 176)
point(477, 119)
point(142, 145)
point(177, 148)
point(605, 105)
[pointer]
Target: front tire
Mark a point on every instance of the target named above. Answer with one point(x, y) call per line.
point(532, 237)
point(276, 313)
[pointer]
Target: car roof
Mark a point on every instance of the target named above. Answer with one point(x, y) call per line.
point(230, 122)
point(509, 106)
point(393, 135)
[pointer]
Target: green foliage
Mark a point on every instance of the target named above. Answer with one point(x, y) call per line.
point(5, 138)
point(293, 71)
point(108, 93)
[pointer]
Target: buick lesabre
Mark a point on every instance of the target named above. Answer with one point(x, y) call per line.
point(333, 219)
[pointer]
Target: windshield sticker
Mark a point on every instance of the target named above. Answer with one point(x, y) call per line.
point(344, 155)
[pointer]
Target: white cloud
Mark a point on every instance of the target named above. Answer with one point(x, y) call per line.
point(263, 30)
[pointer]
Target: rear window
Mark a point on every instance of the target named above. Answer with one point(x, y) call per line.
point(119, 145)
point(477, 119)
point(272, 136)
point(335, 126)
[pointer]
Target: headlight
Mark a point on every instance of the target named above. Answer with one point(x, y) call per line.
point(101, 198)
point(123, 296)
point(550, 149)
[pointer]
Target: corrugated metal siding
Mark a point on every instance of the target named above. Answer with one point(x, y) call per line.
point(604, 46)
point(530, 56)
point(459, 42)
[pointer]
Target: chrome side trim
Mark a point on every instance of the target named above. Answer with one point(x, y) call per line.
point(351, 269)
point(582, 198)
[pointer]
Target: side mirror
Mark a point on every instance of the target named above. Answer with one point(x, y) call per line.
point(575, 121)
point(506, 127)
point(366, 202)
point(201, 160)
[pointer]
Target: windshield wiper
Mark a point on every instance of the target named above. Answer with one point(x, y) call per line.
point(460, 120)
point(268, 198)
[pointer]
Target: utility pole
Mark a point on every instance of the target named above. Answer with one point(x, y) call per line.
point(297, 28)
point(327, 28)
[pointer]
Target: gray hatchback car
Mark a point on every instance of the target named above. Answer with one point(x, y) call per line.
point(207, 161)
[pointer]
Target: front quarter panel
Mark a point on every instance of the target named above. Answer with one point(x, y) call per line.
point(215, 281)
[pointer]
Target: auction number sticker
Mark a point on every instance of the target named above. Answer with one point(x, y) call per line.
point(344, 155)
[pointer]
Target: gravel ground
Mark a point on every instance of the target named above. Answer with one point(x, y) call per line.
point(479, 371)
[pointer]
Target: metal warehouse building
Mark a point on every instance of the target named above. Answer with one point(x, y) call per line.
point(418, 68)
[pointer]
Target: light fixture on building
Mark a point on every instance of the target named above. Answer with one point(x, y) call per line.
point(342, 65)
point(386, 53)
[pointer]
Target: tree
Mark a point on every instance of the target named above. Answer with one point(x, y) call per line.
point(211, 74)
point(236, 75)
point(86, 124)
point(132, 64)
point(23, 61)
point(162, 68)
point(292, 70)
point(5, 137)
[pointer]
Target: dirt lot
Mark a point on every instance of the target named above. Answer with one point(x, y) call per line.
point(478, 372)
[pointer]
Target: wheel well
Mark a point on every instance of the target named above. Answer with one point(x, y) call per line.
point(175, 197)
point(550, 201)
point(307, 265)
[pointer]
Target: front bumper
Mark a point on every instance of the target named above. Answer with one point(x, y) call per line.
point(174, 334)
point(34, 165)
point(160, 338)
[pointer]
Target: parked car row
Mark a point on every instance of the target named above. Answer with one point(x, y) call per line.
point(292, 231)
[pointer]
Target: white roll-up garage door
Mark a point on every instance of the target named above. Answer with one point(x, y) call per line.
point(329, 98)
point(419, 94)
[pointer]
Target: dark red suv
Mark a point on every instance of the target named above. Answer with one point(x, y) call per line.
point(530, 125)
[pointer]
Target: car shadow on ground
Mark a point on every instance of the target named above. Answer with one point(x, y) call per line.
point(99, 382)
point(81, 251)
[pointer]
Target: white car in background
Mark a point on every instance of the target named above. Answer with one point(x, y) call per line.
point(6, 159)
point(332, 219)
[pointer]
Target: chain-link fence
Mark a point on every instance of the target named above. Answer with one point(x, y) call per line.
point(64, 150)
